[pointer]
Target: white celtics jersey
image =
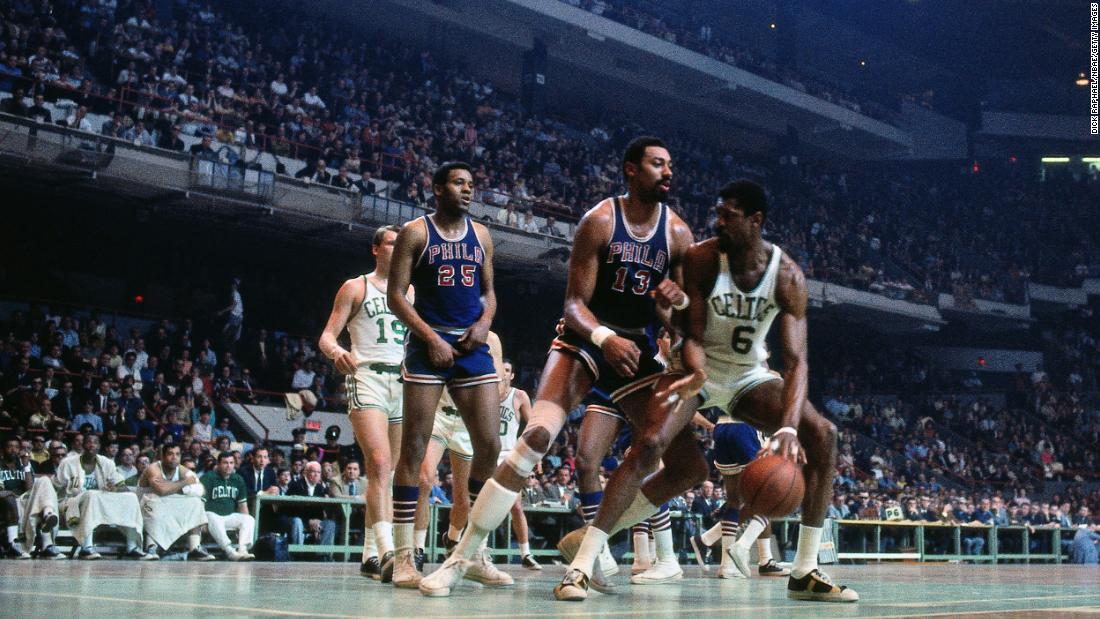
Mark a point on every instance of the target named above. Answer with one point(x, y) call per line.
point(738, 321)
point(509, 421)
point(377, 336)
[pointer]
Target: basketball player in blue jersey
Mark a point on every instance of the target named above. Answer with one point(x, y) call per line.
point(448, 259)
point(738, 285)
point(624, 264)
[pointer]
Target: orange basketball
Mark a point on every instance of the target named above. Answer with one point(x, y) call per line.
point(772, 486)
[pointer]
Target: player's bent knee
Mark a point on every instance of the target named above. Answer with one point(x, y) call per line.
point(537, 438)
point(523, 458)
point(650, 449)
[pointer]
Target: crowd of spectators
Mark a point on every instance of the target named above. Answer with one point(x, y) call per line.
point(386, 109)
point(363, 114)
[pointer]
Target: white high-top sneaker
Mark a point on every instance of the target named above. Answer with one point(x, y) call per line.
point(663, 571)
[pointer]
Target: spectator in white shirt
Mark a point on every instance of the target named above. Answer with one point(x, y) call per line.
point(508, 216)
point(129, 368)
point(529, 224)
point(312, 99)
point(278, 86)
point(303, 377)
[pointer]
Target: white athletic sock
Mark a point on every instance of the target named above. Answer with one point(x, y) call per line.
point(641, 547)
point(727, 543)
point(591, 545)
point(805, 557)
point(663, 545)
point(454, 533)
point(638, 511)
point(764, 549)
point(489, 510)
point(402, 537)
point(420, 536)
point(47, 539)
point(652, 543)
point(370, 546)
point(13, 533)
point(193, 541)
point(383, 537)
point(712, 534)
point(524, 549)
point(753, 529)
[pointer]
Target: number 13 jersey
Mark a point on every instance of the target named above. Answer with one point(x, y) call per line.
point(738, 321)
point(632, 267)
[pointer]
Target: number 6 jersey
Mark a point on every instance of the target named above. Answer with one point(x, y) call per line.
point(738, 321)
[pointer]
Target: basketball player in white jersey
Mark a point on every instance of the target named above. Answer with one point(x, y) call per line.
point(515, 408)
point(372, 368)
point(449, 434)
point(738, 284)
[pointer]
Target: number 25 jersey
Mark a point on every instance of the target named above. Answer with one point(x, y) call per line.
point(447, 279)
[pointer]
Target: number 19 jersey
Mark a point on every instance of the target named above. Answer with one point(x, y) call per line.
point(377, 335)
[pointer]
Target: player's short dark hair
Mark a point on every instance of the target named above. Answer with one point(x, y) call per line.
point(751, 197)
point(380, 233)
point(443, 172)
point(636, 149)
point(257, 450)
point(166, 446)
point(223, 455)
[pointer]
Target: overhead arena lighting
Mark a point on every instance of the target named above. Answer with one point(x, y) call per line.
point(1055, 160)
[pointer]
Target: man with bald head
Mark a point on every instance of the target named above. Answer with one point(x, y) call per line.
point(316, 519)
point(95, 494)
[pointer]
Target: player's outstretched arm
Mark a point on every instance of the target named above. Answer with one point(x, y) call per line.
point(792, 297)
point(699, 271)
point(347, 299)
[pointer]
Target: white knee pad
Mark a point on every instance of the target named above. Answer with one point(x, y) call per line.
point(523, 459)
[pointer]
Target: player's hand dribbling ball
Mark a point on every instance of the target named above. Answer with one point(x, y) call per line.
point(772, 486)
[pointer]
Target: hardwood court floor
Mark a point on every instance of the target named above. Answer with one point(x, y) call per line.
point(177, 589)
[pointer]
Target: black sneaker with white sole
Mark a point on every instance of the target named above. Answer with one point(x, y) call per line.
point(816, 586)
point(531, 563)
point(418, 559)
point(199, 554)
point(771, 568)
point(700, 550)
point(371, 568)
point(386, 569)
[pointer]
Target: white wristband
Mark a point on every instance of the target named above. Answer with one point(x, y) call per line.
point(599, 334)
point(682, 306)
point(785, 430)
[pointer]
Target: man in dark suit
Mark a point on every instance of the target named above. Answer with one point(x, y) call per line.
point(101, 398)
point(317, 520)
point(66, 404)
point(706, 505)
point(258, 476)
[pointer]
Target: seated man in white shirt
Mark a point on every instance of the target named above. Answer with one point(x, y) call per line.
point(171, 505)
point(94, 495)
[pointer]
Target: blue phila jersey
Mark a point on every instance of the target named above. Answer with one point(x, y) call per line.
point(447, 279)
point(631, 268)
